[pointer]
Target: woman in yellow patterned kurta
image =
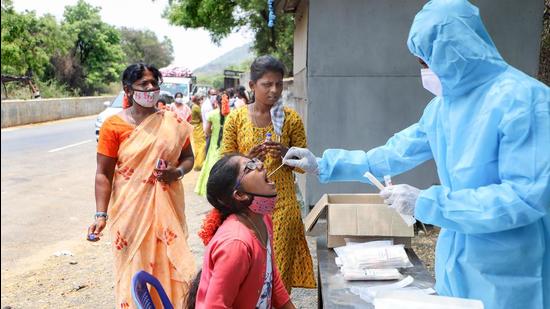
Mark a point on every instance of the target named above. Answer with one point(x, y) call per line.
point(245, 129)
point(199, 139)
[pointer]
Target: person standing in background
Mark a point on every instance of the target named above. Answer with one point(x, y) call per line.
point(206, 107)
point(232, 99)
point(199, 138)
point(180, 108)
point(225, 105)
point(241, 98)
point(161, 104)
point(214, 132)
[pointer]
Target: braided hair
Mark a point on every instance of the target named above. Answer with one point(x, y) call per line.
point(219, 193)
point(222, 119)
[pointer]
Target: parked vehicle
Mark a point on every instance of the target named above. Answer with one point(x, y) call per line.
point(178, 79)
point(112, 108)
point(201, 89)
point(115, 106)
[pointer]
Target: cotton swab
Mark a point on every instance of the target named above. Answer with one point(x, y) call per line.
point(269, 175)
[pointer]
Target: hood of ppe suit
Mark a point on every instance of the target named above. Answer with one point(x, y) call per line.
point(450, 37)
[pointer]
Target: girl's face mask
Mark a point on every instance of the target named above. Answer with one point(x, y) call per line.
point(179, 100)
point(262, 204)
point(146, 98)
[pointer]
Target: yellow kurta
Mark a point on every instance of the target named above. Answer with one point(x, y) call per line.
point(198, 140)
point(291, 251)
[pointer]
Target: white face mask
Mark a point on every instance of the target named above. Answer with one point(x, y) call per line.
point(212, 98)
point(431, 82)
point(146, 98)
point(179, 100)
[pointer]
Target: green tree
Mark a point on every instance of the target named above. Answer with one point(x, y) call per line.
point(213, 80)
point(28, 41)
point(96, 49)
point(143, 45)
point(221, 17)
point(243, 66)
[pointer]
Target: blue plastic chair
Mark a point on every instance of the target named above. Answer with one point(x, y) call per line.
point(140, 292)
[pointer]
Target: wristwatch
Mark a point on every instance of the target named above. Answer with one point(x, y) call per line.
point(99, 214)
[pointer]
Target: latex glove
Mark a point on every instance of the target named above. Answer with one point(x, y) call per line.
point(401, 198)
point(301, 158)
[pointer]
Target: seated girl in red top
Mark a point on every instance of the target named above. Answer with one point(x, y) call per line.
point(238, 268)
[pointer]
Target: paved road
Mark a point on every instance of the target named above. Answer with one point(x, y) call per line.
point(47, 189)
point(47, 204)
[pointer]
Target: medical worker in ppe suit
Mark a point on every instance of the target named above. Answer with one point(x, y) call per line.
point(488, 130)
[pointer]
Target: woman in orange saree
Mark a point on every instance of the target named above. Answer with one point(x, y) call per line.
point(141, 195)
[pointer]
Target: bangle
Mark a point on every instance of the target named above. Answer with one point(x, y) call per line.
point(101, 214)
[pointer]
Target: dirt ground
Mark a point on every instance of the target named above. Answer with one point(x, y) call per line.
point(85, 278)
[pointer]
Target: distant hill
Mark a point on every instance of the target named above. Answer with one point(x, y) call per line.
point(233, 57)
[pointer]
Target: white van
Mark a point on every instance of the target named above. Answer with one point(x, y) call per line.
point(111, 108)
point(178, 84)
point(114, 107)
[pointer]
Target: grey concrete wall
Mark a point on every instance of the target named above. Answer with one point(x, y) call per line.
point(363, 84)
point(300, 37)
point(516, 28)
point(20, 112)
point(299, 85)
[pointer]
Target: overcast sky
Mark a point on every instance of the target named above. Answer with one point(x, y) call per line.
point(192, 48)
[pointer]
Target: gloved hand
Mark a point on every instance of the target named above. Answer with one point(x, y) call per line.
point(401, 198)
point(301, 158)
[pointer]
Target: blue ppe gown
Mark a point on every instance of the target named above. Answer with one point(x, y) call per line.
point(489, 134)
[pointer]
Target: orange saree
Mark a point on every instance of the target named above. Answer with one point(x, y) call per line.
point(148, 227)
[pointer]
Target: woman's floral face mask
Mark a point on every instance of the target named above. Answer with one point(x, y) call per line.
point(146, 98)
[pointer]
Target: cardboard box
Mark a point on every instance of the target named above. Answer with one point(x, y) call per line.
point(360, 217)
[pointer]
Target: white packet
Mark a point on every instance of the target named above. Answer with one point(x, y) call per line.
point(371, 274)
point(369, 293)
point(346, 255)
point(343, 250)
point(382, 257)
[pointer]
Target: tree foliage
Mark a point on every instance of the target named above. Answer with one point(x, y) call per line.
point(28, 41)
point(214, 80)
point(96, 47)
point(143, 45)
point(81, 54)
point(222, 17)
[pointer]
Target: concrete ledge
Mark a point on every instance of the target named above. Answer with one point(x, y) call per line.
point(21, 112)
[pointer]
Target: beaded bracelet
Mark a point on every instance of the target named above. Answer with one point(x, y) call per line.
point(101, 214)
